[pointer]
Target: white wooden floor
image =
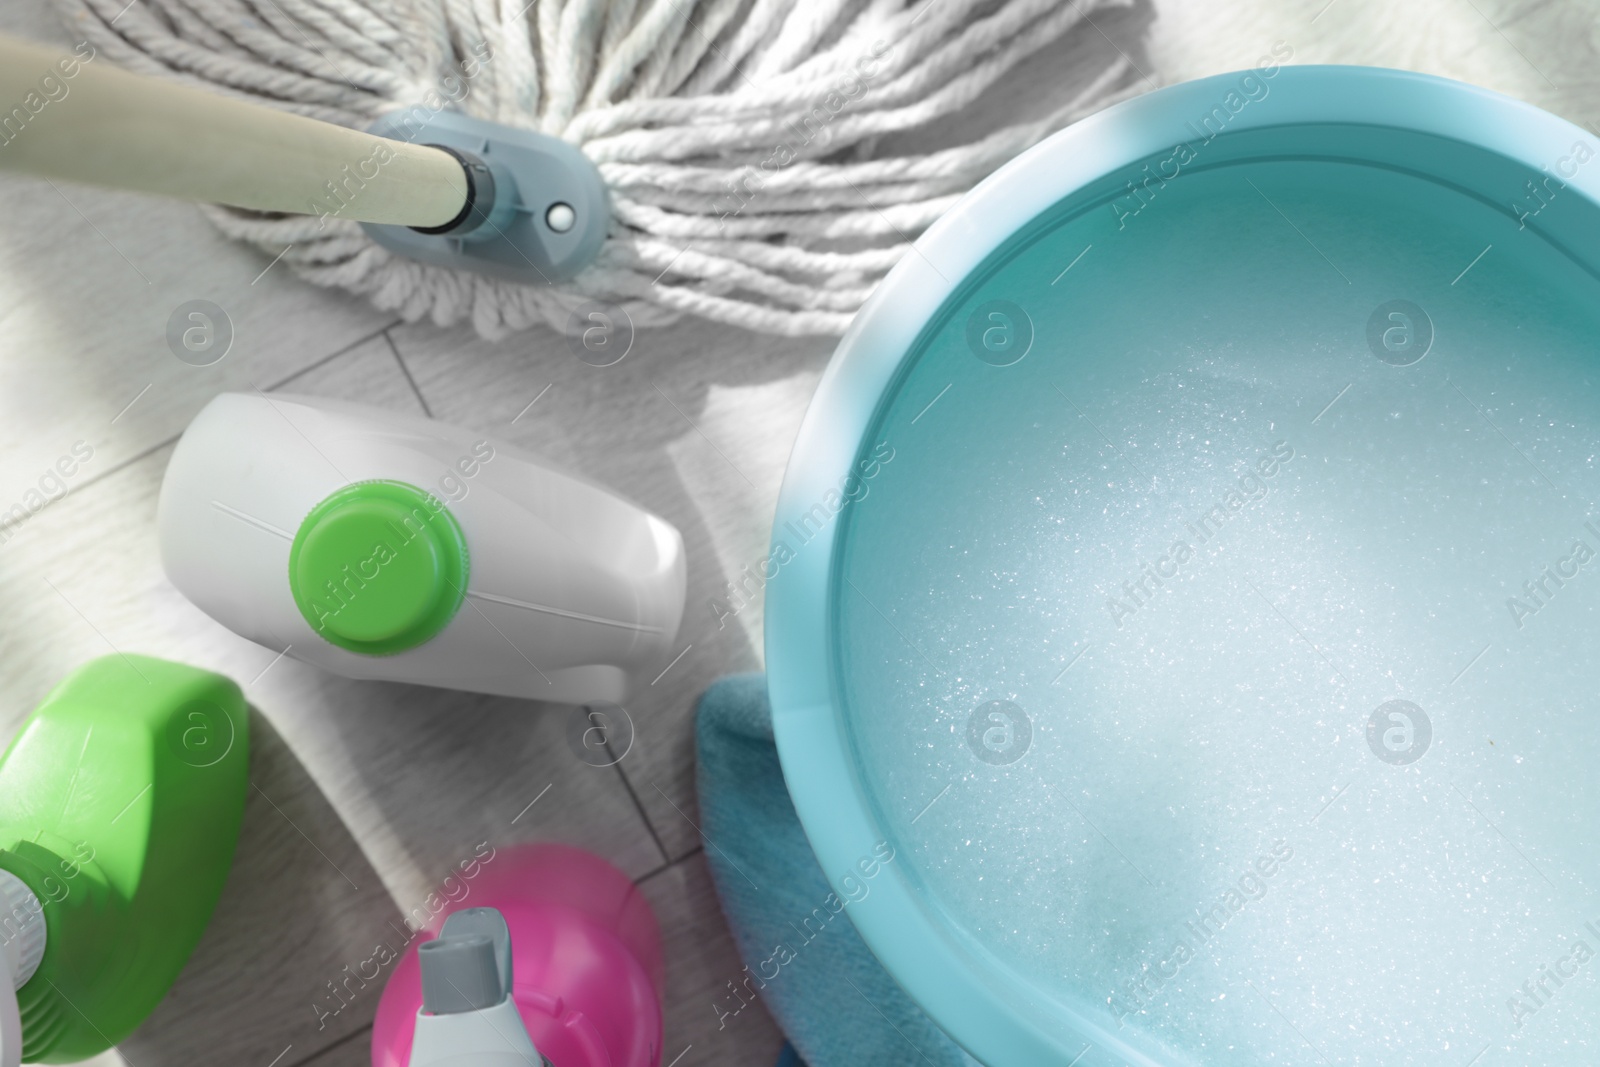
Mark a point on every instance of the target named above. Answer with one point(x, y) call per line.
point(365, 794)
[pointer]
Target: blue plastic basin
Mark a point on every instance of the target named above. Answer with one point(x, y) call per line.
point(1179, 568)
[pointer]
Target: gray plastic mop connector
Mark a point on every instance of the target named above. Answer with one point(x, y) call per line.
point(539, 212)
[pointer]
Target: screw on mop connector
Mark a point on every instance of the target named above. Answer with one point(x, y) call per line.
point(536, 209)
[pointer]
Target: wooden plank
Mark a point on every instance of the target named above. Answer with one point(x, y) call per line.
point(301, 906)
point(91, 280)
point(353, 1051)
point(695, 424)
point(701, 961)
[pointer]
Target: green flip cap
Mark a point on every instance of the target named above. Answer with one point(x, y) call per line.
point(379, 567)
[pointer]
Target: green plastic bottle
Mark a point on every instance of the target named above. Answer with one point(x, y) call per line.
point(120, 805)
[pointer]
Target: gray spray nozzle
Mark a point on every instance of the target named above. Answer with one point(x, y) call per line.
point(468, 966)
point(469, 1017)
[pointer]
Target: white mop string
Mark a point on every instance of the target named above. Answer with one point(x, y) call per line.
point(739, 138)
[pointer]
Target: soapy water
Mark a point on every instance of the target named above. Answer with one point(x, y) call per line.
point(1222, 662)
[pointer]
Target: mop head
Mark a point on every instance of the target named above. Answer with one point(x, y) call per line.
point(745, 143)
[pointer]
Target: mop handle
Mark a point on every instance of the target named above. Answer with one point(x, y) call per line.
point(72, 115)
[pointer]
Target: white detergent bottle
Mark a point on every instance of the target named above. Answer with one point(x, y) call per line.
point(391, 547)
point(468, 1017)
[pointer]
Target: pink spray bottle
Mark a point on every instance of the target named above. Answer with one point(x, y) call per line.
point(553, 960)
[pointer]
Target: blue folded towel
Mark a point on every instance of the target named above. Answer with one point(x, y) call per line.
point(827, 991)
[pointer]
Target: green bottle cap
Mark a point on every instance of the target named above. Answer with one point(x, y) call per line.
point(379, 567)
